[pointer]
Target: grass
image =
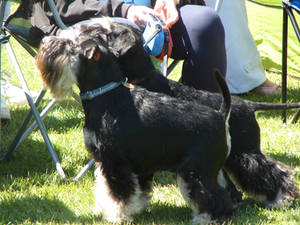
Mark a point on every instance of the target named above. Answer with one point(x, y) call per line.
point(31, 191)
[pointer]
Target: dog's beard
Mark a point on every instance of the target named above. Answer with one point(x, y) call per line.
point(63, 86)
point(57, 70)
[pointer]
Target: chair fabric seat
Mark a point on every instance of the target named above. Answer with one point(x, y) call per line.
point(20, 26)
point(288, 7)
point(295, 4)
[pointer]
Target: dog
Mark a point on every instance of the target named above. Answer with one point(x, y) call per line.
point(132, 132)
point(267, 181)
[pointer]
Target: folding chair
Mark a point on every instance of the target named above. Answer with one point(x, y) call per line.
point(19, 29)
point(288, 7)
point(166, 71)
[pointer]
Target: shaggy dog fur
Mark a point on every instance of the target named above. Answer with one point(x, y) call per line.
point(266, 180)
point(132, 133)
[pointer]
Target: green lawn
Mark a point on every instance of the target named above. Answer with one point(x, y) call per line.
point(31, 191)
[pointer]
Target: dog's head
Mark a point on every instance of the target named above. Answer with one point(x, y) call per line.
point(58, 61)
point(123, 41)
point(84, 61)
point(126, 44)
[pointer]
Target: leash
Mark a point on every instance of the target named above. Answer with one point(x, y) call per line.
point(156, 31)
point(89, 95)
point(158, 41)
point(166, 52)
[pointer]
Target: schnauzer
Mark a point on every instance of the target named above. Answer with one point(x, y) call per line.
point(264, 179)
point(132, 132)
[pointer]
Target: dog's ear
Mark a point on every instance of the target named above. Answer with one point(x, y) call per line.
point(91, 50)
point(92, 53)
point(113, 44)
point(120, 41)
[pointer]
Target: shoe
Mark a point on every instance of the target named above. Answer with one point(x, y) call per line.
point(268, 88)
point(13, 93)
point(4, 111)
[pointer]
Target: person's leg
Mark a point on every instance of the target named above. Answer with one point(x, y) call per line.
point(244, 67)
point(198, 38)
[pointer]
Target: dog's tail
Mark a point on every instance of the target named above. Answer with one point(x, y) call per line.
point(256, 106)
point(226, 103)
point(225, 108)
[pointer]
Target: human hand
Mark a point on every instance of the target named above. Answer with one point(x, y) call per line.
point(138, 14)
point(167, 11)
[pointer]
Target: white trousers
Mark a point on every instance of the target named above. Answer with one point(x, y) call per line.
point(244, 67)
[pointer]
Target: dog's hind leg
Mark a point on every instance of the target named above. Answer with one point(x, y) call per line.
point(225, 182)
point(261, 178)
point(209, 202)
point(145, 182)
point(118, 195)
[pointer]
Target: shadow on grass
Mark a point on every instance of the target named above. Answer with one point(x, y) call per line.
point(64, 116)
point(288, 159)
point(44, 211)
point(48, 210)
point(248, 213)
point(73, 117)
point(252, 212)
point(160, 213)
point(269, 63)
point(32, 156)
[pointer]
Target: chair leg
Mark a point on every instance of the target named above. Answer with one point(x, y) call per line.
point(294, 23)
point(17, 140)
point(21, 136)
point(34, 110)
point(34, 124)
point(296, 117)
point(284, 61)
point(172, 66)
point(84, 169)
point(45, 135)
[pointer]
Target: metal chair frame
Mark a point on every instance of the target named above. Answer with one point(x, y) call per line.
point(22, 134)
point(287, 14)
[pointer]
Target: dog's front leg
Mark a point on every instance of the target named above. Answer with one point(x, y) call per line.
point(209, 201)
point(118, 194)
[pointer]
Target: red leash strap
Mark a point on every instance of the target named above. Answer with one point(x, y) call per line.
point(170, 46)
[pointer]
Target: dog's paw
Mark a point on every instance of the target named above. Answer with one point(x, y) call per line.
point(203, 218)
point(117, 219)
point(281, 200)
point(97, 210)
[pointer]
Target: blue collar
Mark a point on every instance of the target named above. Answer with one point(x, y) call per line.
point(99, 91)
point(102, 90)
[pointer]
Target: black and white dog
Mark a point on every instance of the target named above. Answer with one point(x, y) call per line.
point(132, 132)
point(266, 180)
